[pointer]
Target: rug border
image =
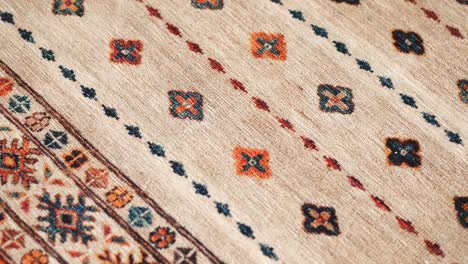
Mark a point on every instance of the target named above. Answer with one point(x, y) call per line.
point(114, 169)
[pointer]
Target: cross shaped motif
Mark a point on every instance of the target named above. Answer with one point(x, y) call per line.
point(265, 45)
point(252, 162)
point(268, 46)
point(320, 220)
point(335, 99)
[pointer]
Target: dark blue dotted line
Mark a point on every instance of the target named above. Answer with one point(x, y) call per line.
point(384, 81)
point(135, 131)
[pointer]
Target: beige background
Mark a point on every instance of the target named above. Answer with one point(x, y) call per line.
point(271, 207)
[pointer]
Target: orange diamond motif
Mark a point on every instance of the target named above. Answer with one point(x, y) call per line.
point(6, 85)
point(252, 162)
point(119, 196)
point(264, 45)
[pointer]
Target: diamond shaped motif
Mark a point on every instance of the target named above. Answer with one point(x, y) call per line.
point(408, 42)
point(252, 162)
point(66, 219)
point(19, 104)
point(186, 105)
point(97, 178)
point(9, 161)
point(55, 139)
point(75, 159)
point(126, 51)
point(320, 220)
point(265, 45)
point(335, 99)
point(162, 237)
point(68, 7)
point(140, 216)
point(403, 152)
point(119, 196)
point(37, 121)
point(185, 256)
point(11, 239)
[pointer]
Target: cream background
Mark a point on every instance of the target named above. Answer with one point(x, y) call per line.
point(271, 207)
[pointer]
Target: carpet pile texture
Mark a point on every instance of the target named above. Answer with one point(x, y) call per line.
point(233, 131)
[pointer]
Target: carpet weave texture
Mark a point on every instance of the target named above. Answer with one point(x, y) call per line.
point(233, 131)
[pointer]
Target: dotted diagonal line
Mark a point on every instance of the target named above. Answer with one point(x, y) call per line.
point(331, 163)
point(134, 131)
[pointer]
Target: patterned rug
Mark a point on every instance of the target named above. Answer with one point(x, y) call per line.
point(230, 131)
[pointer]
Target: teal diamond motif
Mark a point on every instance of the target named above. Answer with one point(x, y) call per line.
point(140, 216)
point(19, 104)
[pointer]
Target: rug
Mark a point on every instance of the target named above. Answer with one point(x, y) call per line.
point(230, 131)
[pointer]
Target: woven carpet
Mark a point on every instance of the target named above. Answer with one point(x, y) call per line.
point(233, 131)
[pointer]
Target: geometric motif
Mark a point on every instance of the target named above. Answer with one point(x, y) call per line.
point(66, 219)
point(119, 196)
point(35, 256)
point(185, 256)
point(252, 162)
point(162, 237)
point(11, 239)
point(320, 220)
point(55, 139)
point(186, 105)
point(75, 159)
point(14, 162)
point(37, 121)
point(402, 152)
point(97, 178)
point(335, 99)
point(6, 85)
point(126, 51)
point(19, 104)
point(264, 45)
point(408, 42)
point(68, 7)
point(140, 216)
